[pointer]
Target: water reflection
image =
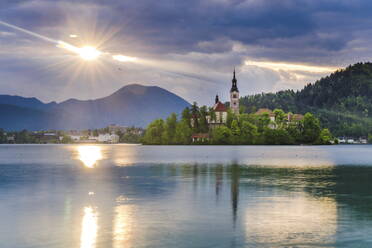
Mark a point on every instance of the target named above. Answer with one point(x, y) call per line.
point(181, 205)
point(89, 155)
point(235, 177)
point(294, 220)
point(123, 226)
point(89, 228)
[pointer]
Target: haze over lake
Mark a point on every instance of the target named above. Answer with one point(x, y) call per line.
point(185, 196)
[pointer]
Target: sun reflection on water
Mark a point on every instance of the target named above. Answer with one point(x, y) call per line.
point(123, 226)
point(89, 155)
point(89, 228)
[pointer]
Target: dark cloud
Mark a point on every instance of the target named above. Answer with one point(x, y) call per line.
point(211, 36)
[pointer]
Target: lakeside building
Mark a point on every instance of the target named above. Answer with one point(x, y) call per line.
point(290, 118)
point(108, 138)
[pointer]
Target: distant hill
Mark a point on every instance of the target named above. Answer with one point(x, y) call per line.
point(131, 105)
point(342, 100)
point(26, 102)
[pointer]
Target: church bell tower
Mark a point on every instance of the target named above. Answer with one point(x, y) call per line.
point(234, 96)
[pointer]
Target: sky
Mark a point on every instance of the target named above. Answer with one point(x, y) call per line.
point(187, 47)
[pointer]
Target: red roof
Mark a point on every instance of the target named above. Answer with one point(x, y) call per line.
point(262, 111)
point(200, 135)
point(296, 117)
point(219, 107)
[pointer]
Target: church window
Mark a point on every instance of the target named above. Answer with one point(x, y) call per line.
point(234, 95)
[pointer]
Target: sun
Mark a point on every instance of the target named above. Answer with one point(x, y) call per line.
point(89, 53)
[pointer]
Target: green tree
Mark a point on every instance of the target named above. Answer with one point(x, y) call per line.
point(295, 131)
point(183, 133)
point(203, 123)
point(262, 121)
point(24, 137)
point(221, 135)
point(2, 136)
point(195, 116)
point(277, 137)
point(95, 133)
point(280, 117)
point(235, 133)
point(170, 126)
point(154, 133)
point(66, 139)
point(249, 133)
point(325, 137)
point(230, 117)
point(370, 138)
point(311, 129)
point(186, 116)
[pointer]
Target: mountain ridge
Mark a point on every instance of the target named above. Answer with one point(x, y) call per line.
point(133, 104)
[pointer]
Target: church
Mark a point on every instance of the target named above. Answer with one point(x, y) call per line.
point(220, 110)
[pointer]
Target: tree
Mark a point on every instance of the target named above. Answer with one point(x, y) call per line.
point(280, 117)
point(325, 137)
point(195, 117)
point(186, 116)
point(2, 136)
point(311, 129)
point(262, 121)
point(154, 133)
point(203, 123)
point(295, 131)
point(170, 127)
point(249, 133)
point(230, 117)
point(235, 133)
point(277, 137)
point(221, 135)
point(183, 133)
point(370, 138)
point(95, 133)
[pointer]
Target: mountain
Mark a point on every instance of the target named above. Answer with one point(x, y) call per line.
point(131, 105)
point(26, 102)
point(342, 101)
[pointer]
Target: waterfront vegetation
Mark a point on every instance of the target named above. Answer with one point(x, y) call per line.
point(130, 135)
point(242, 129)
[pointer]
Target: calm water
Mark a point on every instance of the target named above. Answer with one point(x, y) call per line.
point(195, 196)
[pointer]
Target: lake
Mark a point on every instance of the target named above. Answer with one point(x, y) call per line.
point(92, 196)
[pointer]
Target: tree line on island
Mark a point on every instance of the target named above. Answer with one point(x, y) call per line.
point(242, 129)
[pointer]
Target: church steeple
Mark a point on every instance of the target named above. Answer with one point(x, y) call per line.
point(234, 86)
point(234, 95)
point(217, 100)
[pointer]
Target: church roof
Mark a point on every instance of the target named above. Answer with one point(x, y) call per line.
point(219, 107)
point(296, 117)
point(262, 111)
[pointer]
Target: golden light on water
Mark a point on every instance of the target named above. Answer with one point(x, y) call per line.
point(123, 226)
point(305, 218)
point(89, 155)
point(89, 228)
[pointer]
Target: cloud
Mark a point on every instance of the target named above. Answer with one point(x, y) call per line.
point(189, 47)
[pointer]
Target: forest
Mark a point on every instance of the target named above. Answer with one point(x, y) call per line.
point(342, 101)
